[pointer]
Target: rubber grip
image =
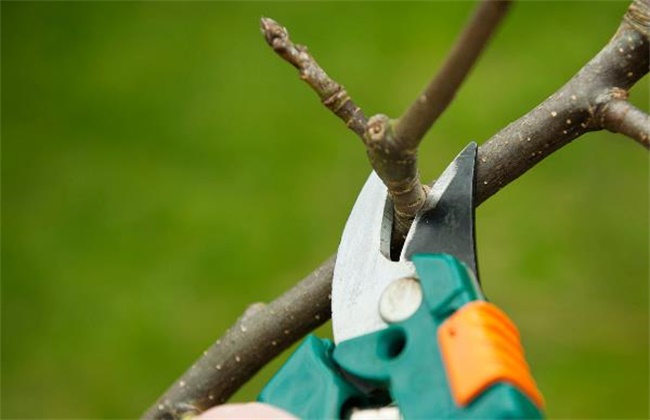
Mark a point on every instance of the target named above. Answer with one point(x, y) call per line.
point(480, 346)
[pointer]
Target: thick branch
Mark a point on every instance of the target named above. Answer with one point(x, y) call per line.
point(570, 112)
point(258, 336)
point(576, 108)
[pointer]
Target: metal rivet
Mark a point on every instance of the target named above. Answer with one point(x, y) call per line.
point(400, 300)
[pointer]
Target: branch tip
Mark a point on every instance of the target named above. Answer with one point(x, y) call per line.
point(272, 30)
point(332, 94)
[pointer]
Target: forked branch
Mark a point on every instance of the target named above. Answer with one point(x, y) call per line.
point(576, 108)
point(592, 100)
point(392, 144)
point(406, 133)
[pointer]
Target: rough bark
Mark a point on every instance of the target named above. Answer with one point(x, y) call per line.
point(593, 99)
point(245, 347)
point(576, 108)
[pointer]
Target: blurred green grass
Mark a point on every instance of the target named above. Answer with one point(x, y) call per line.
point(162, 169)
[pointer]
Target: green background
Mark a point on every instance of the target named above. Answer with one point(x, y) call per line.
point(162, 169)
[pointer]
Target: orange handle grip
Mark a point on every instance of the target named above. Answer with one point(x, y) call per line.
point(480, 346)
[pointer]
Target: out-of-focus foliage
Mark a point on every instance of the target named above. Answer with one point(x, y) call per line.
point(162, 169)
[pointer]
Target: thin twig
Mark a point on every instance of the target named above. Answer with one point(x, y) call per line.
point(332, 94)
point(620, 116)
point(392, 145)
point(396, 141)
point(411, 127)
point(567, 114)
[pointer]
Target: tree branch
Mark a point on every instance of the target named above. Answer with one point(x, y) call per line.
point(620, 116)
point(405, 134)
point(332, 94)
point(260, 334)
point(571, 111)
point(411, 127)
point(583, 104)
point(392, 145)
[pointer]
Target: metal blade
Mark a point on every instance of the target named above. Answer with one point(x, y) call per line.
point(445, 225)
point(363, 267)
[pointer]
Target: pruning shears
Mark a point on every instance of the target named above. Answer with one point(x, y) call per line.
point(413, 338)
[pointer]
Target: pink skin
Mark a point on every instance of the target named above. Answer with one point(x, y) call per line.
point(244, 411)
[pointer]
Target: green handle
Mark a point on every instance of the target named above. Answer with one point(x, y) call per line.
point(457, 356)
point(310, 385)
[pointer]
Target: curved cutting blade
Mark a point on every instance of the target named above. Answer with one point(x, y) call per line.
point(445, 225)
point(363, 267)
